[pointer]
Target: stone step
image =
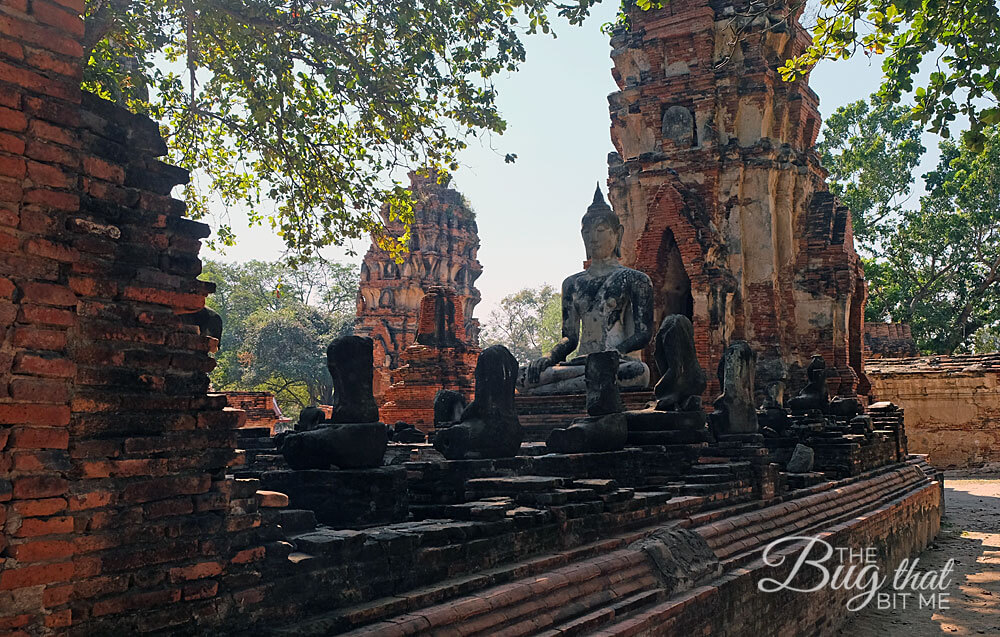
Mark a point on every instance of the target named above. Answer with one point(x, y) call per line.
point(512, 485)
point(291, 521)
point(585, 624)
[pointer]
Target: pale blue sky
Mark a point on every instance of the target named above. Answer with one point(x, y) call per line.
point(558, 125)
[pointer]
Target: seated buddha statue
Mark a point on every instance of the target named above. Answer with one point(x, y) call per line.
point(606, 307)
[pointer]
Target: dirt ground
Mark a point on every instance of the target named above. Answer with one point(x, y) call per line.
point(970, 533)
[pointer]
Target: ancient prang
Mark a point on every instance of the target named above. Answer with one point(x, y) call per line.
point(439, 358)
point(722, 196)
point(442, 252)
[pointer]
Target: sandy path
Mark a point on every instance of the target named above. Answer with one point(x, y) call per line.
point(970, 533)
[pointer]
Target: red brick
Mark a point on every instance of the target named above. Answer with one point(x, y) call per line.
point(57, 16)
point(34, 527)
point(46, 152)
point(11, 144)
point(12, 120)
point(33, 575)
point(195, 571)
point(35, 81)
point(45, 61)
point(103, 170)
point(41, 550)
point(41, 315)
point(12, 167)
point(201, 590)
point(30, 487)
point(92, 500)
point(35, 338)
point(66, 201)
point(249, 555)
point(49, 38)
point(165, 297)
point(15, 621)
point(165, 487)
point(59, 619)
point(76, 6)
point(56, 595)
point(48, 294)
point(25, 363)
point(39, 390)
point(48, 175)
point(10, 191)
point(85, 286)
point(39, 508)
point(39, 438)
point(29, 414)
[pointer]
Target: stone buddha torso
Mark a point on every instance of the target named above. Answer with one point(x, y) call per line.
point(606, 307)
point(603, 303)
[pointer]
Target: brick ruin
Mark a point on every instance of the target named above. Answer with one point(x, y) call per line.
point(260, 408)
point(127, 508)
point(952, 405)
point(722, 195)
point(442, 252)
point(889, 340)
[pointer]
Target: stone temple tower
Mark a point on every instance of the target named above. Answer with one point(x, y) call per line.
point(443, 247)
point(722, 194)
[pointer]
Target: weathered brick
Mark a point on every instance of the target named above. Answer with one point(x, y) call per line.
point(48, 294)
point(35, 527)
point(31, 487)
point(31, 414)
point(39, 438)
point(53, 366)
point(33, 575)
point(36, 338)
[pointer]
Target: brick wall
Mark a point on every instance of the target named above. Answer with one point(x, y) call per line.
point(113, 497)
point(260, 408)
point(952, 405)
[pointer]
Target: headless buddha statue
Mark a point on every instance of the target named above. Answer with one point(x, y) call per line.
point(605, 307)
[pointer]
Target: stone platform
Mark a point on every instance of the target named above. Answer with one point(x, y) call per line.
point(539, 415)
point(660, 565)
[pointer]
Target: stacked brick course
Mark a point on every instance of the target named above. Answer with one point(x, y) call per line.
point(722, 196)
point(115, 511)
point(443, 248)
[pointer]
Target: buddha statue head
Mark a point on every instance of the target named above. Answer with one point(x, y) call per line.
point(602, 230)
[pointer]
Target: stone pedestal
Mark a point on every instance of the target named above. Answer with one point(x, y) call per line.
point(345, 499)
point(652, 427)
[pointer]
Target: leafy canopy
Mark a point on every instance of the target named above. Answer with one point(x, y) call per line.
point(527, 322)
point(960, 36)
point(935, 262)
point(315, 105)
point(871, 152)
point(277, 324)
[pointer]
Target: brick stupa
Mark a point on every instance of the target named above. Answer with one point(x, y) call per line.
point(439, 358)
point(442, 252)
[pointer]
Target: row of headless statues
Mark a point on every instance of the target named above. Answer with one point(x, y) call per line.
point(607, 313)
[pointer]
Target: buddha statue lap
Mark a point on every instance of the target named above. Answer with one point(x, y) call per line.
point(606, 307)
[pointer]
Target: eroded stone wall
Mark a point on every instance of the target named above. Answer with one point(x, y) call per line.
point(952, 405)
point(443, 247)
point(722, 196)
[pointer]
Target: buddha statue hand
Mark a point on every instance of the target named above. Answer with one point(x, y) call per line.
point(536, 367)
